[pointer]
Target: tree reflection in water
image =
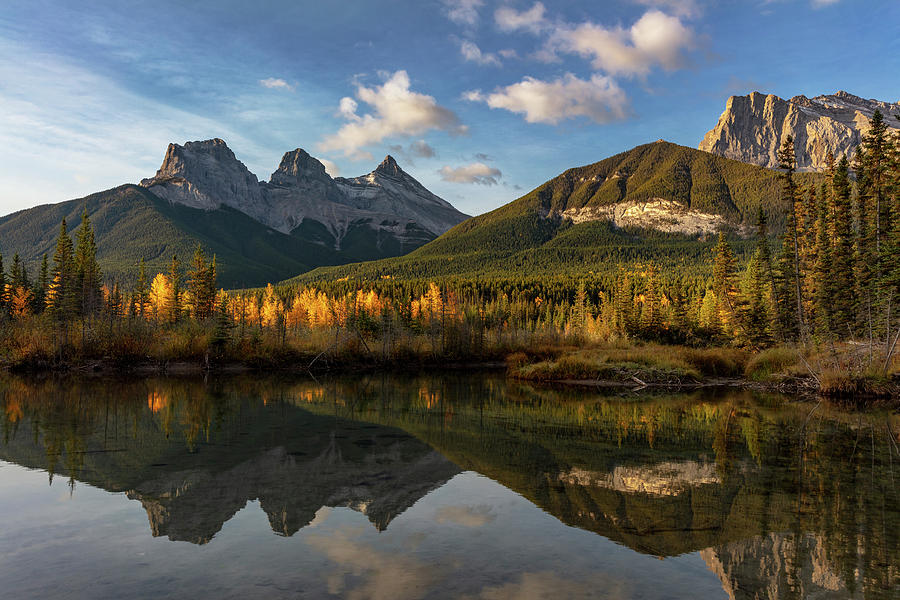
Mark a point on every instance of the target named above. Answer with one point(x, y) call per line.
point(782, 498)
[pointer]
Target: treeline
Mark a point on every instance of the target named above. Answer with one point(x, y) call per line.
point(836, 273)
point(72, 287)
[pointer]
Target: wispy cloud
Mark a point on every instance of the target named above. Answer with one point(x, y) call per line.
point(599, 99)
point(94, 135)
point(477, 173)
point(396, 111)
point(679, 8)
point(274, 83)
point(471, 52)
point(464, 12)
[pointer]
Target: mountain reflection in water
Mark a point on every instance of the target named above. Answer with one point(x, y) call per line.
point(779, 499)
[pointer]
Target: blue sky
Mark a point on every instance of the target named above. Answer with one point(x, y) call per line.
point(481, 100)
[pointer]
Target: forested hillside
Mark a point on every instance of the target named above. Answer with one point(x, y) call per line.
point(131, 223)
point(532, 236)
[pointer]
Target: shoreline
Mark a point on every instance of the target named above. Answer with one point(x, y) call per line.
point(802, 387)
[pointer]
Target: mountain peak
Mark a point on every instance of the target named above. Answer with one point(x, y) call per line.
point(204, 174)
point(296, 165)
point(389, 166)
point(750, 130)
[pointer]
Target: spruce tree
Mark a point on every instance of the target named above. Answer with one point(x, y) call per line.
point(61, 295)
point(789, 261)
point(842, 255)
point(201, 285)
point(823, 289)
point(140, 289)
point(87, 270)
point(174, 302)
point(4, 292)
point(727, 298)
point(757, 320)
point(43, 283)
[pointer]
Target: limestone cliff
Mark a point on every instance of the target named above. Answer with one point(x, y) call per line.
point(752, 127)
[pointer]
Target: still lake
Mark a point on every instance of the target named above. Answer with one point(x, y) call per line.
point(439, 486)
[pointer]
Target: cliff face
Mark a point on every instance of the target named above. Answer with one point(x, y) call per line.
point(752, 127)
point(779, 565)
point(388, 204)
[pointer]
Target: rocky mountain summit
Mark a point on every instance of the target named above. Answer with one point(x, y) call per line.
point(300, 198)
point(752, 127)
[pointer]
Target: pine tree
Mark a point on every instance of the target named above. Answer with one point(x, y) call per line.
point(651, 319)
point(202, 286)
point(43, 283)
point(758, 321)
point(842, 255)
point(823, 288)
point(141, 295)
point(727, 298)
point(87, 270)
point(4, 292)
point(19, 277)
point(61, 293)
point(789, 261)
point(174, 301)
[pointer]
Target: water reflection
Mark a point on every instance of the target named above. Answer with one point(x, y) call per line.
point(780, 499)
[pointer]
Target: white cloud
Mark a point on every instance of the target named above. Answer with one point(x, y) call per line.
point(479, 173)
point(598, 98)
point(330, 167)
point(509, 19)
point(471, 52)
point(508, 53)
point(821, 3)
point(464, 12)
point(654, 39)
point(276, 84)
point(396, 111)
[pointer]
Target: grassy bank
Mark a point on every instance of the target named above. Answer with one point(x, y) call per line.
point(848, 374)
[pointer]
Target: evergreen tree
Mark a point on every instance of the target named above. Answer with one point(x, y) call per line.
point(40, 291)
point(18, 276)
point(727, 298)
point(651, 319)
point(202, 286)
point(141, 293)
point(4, 292)
point(87, 270)
point(823, 288)
point(789, 260)
point(842, 255)
point(758, 320)
point(174, 301)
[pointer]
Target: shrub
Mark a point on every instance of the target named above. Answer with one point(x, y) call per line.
point(771, 362)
